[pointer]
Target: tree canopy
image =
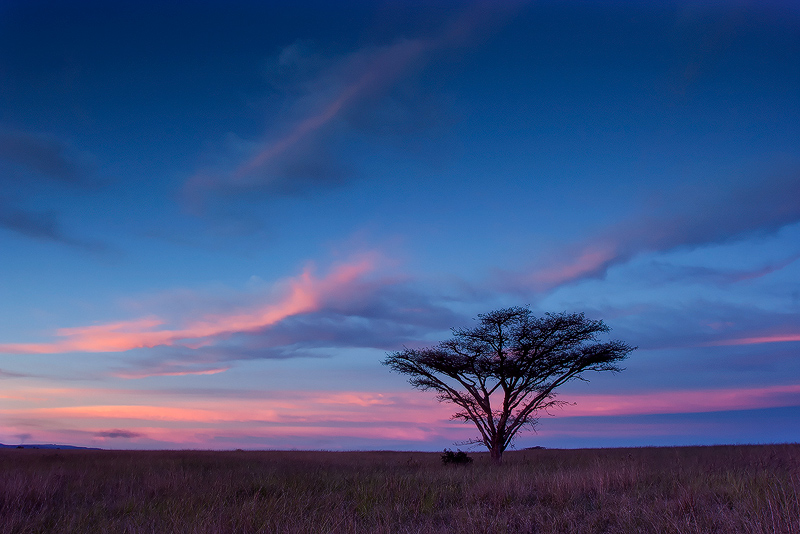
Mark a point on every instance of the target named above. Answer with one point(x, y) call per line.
point(504, 372)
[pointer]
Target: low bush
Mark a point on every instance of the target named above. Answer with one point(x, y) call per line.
point(455, 458)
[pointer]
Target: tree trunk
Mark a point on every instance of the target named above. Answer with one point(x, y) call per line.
point(496, 453)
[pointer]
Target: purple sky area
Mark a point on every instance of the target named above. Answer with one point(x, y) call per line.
point(216, 218)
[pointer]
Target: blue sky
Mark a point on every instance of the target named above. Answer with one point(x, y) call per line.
point(217, 218)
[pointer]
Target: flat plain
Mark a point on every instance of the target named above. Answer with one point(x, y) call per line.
point(725, 489)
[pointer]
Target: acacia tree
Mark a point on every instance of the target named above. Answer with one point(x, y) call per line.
point(504, 372)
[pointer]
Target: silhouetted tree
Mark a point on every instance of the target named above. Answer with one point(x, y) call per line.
point(505, 371)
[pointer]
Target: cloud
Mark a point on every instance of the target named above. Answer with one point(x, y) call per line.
point(353, 305)
point(168, 370)
point(8, 374)
point(685, 401)
point(350, 325)
point(757, 340)
point(702, 217)
point(204, 419)
point(350, 306)
point(117, 433)
point(209, 360)
point(665, 273)
point(700, 323)
point(301, 294)
point(373, 311)
point(303, 156)
point(29, 162)
point(280, 411)
point(43, 226)
point(330, 100)
point(46, 156)
point(111, 412)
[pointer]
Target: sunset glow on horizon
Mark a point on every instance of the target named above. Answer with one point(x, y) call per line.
point(217, 219)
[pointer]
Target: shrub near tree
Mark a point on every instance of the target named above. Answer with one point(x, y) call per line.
point(455, 458)
point(504, 372)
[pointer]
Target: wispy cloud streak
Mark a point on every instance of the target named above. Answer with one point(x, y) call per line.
point(763, 207)
point(660, 272)
point(118, 433)
point(46, 156)
point(28, 161)
point(358, 79)
point(43, 226)
point(688, 401)
point(386, 65)
point(757, 340)
point(165, 371)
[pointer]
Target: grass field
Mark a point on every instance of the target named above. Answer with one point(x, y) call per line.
point(686, 489)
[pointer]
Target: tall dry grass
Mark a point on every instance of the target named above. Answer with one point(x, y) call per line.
point(753, 489)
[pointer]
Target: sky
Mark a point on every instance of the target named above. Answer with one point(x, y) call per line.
point(217, 218)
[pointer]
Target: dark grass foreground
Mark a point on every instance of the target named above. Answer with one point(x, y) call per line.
point(681, 490)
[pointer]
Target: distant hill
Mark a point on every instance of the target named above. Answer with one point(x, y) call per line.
point(46, 446)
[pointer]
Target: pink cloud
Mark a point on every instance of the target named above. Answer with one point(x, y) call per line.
point(301, 294)
point(118, 412)
point(286, 414)
point(356, 78)
point(294, 409)
point(586, 262)
point(333, 408)
point(775, 338)
point(385, 66)
point(690, 401)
